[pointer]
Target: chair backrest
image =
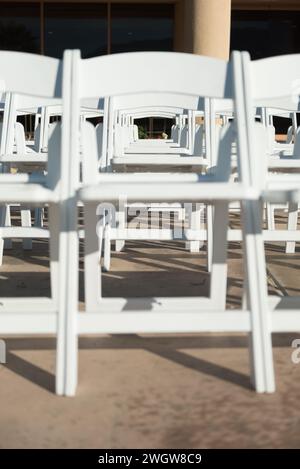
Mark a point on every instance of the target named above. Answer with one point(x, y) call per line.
point(156, 72)
point(270, 83)
point(150, 102)
point(166, 101)
point(34, 77)
point(16, 105)
point(19, 74)
point(151, 73)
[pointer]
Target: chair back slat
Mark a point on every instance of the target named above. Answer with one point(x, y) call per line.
point(19, 74)
point(142, 72)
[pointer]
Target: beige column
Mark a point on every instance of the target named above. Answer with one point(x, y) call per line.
point(179, 30)
point(210, 27)
point(183, 31)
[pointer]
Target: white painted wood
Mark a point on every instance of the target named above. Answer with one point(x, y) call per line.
point(20, 74)
point(236, 173)
point(215, 188)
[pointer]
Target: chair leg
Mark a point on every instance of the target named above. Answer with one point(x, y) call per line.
point(26, 221)
point(67, 333)
point(195, 223)
point(257, 299)
point(188, 213)
point(60, 269)
point(107, 248)
point(218, 282)
point(7, 241)
point(1, 250)
point(4, 221)
point(53, 214)
point(92, 267)
point(39, 214)
point(121, 223)
point(181, 214)
point(270, 217)
point(38, 217)
point(209, 228)
point(292, 225)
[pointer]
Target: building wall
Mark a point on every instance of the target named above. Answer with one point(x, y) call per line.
point(199, 26)
point(96, 27)
point(266, 4)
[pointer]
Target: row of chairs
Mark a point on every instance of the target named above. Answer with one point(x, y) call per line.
point(187, 149)
point(19, 153)
point(74, 176)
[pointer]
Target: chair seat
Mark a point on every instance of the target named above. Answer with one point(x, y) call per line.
point(284, 162)
point(30, 157)
point(154, 160)
point(166, 191)
point(154, 142)
point(282, 187)
point(155, 150)
point(33, 193)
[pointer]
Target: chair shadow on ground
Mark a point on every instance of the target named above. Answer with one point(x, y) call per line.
point(193, 280)
point(30, 371)
point(174, 349)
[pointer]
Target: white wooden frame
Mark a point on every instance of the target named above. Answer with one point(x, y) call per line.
point(161, 314)
point(21, 73)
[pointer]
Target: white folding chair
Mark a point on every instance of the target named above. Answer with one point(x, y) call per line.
point(141, 72)
point(125, 155)
point(277, 314)
point(17, 154)
point(278, 155)
point(34, 75)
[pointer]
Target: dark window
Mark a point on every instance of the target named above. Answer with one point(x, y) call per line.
point(265, 33)
point(133, 27)
point(146, 27)
point(154, 127)
point(20, 27)
point(75, 26)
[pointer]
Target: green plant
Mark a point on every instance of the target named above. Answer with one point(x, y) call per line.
point(142, 132)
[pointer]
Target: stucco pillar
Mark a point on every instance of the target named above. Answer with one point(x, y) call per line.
point(179, 27)
point(210, 27)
